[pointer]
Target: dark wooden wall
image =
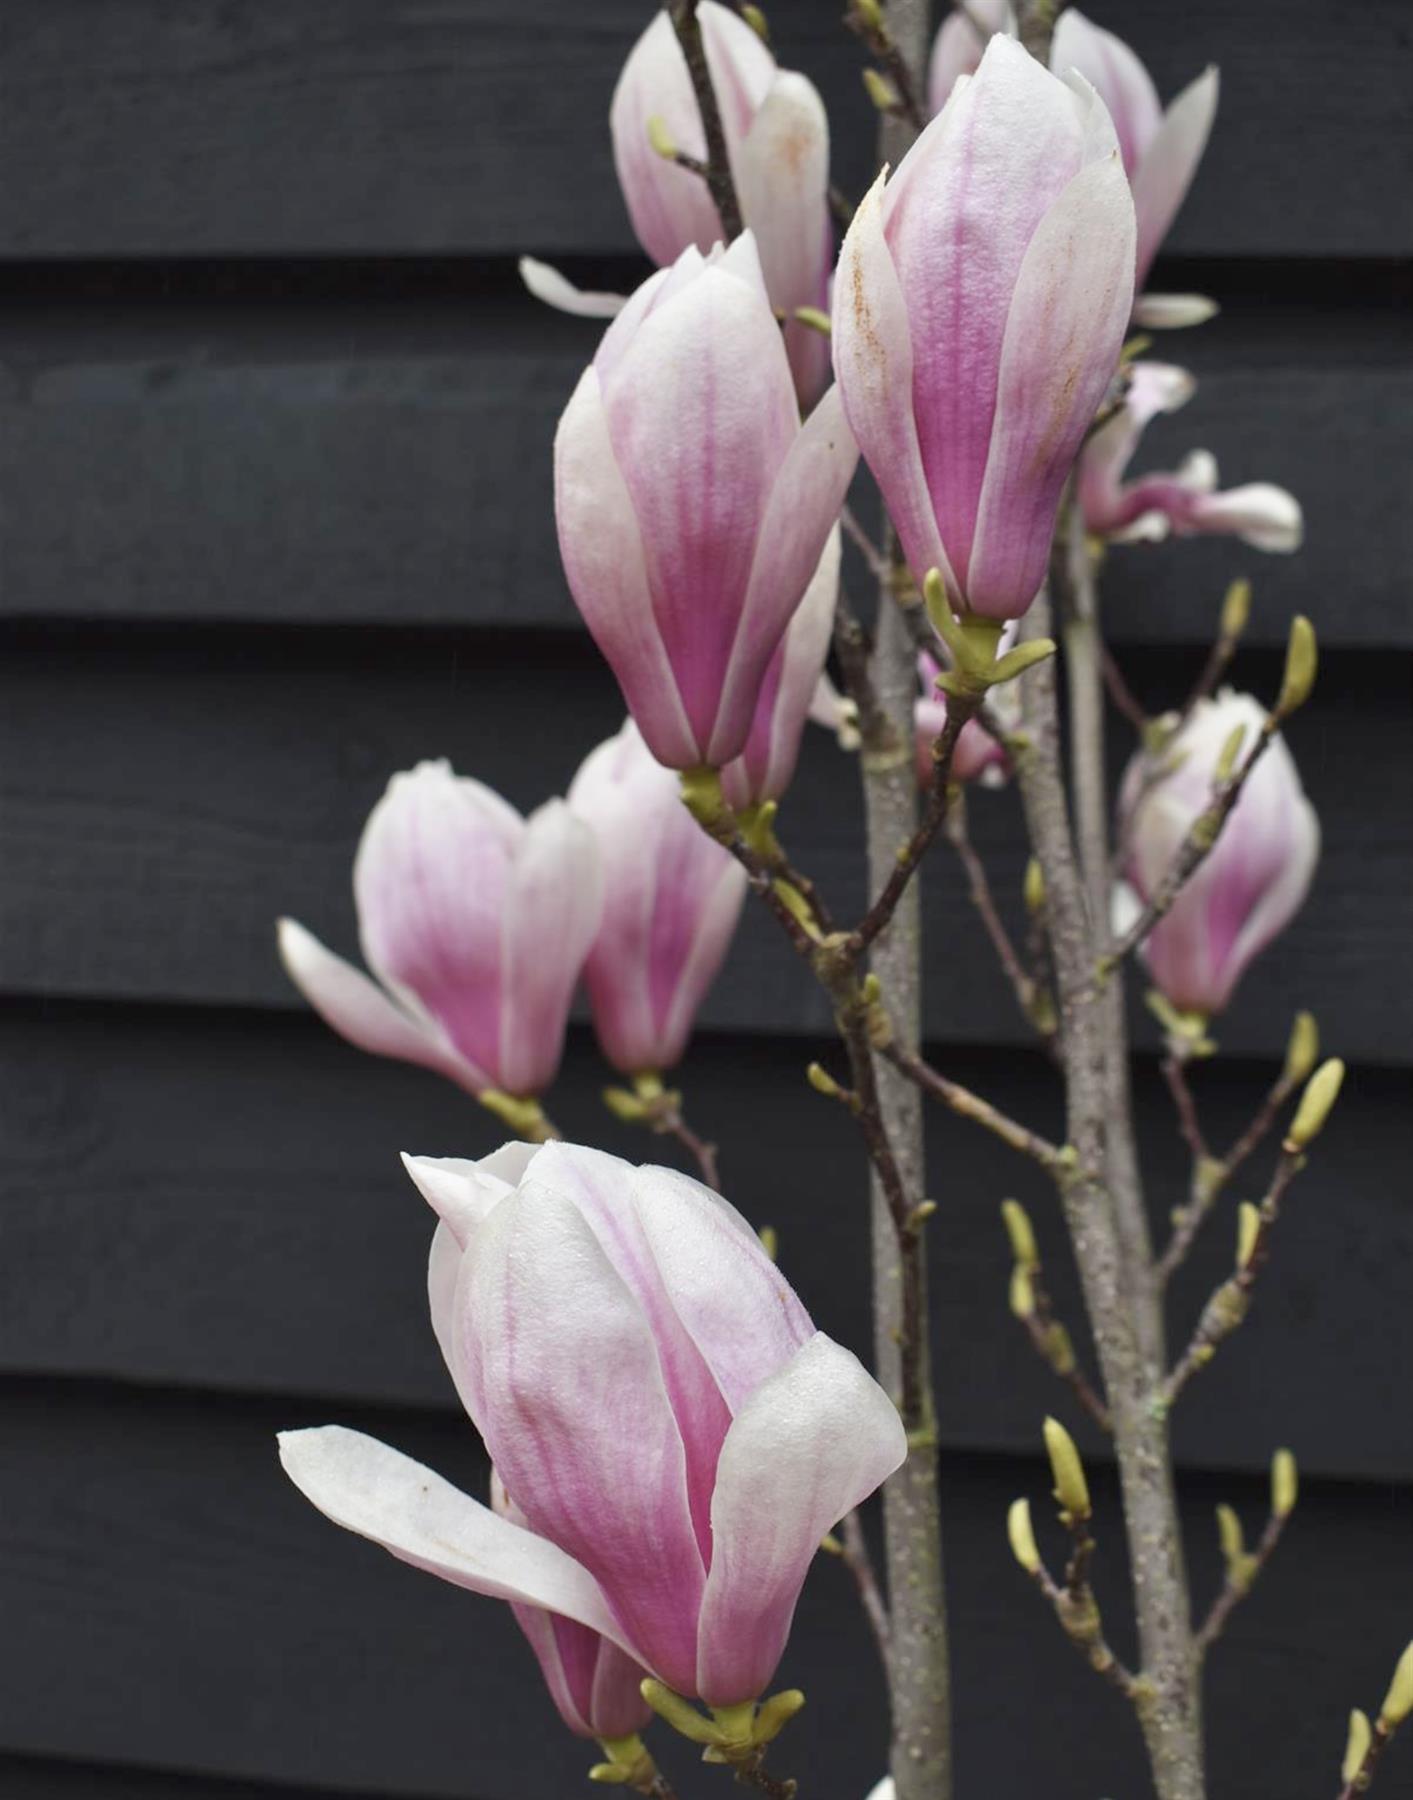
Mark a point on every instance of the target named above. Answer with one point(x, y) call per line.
point(274, 479)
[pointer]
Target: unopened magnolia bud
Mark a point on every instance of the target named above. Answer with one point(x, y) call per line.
point(1071, 1488)
point(1236, 610)
point(1356, 1746)
point(1248, 1229)
point(661, 138)
point(823, 1082)
point(1301, 662)
point(770, 1241)
point(1022, 1535)
point(1285, 1484)
point(881, 91)
point(1321, 1092)
point(755, 18)
point(1303, 1050)
point(1059, 1347)
point(869, 14)
point(1022, 1293)
point(1022, 1236)
point(1034, 887)
point(1226, 757)
point(1230, 1534)
point(1398, 1701)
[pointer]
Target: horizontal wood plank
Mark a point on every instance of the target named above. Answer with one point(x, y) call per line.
point(271, 458)
point(191, 789)
point(171, 1601)
point(61, 1778)
point(131, 127)
point(146, 1137)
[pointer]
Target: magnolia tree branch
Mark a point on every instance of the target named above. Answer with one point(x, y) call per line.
point(717, 172)
point(1169, 1713)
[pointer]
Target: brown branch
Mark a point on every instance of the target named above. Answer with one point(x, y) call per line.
point(1239, 1583)
point(717, 172)
point(1078, 1613)
point(703, 1153)
point(1056, 1162)
point(1055, 1348)
point(854, 1553)
point(1028, 994)
point(1359, 1783)
point(1230, 1302)
point(1175, 1074)
point(875, 33)
point(1122, 695)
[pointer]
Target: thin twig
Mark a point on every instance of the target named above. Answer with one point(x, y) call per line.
point(1055, 1347)
point(704, 1154)
point(1022, 984)
point(854, 1553)
point(1360, 1782)
point(1122, 695)
point(1175, 1074)
point(1230, 1302)
point(717, 173)
point(967, 1105)
point(753, 1773)
point(1078, 1613)
point(880, 41)
point(1239, 1583)
point(878, 565)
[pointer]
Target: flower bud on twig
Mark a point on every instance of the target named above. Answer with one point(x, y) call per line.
point(1398, 1702)
point(1303, 1050)
point(1357, 1746)
point(1236, 609)
point(1071, 1487)
point(1285, 1484)
point(1022, 1536)
point(1301, 662)
point(1021, 1234)
point(1321, 1092)
point(1248, 1230)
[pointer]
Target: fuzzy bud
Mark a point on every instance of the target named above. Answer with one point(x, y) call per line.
point(1321, 1092)
point(1230, 1535)
point(1236, 610)
point(1021, 1234)
point(1285, 1484)
point(1022, 1537)
point(1398, 1701)
point(1022, 1292)
point(1248, 1230)
point(1303, 1050)
point(881, 91)
point(1034, 887)
point(1357, 1746)
point(1071, 1487)
point(1301, 662)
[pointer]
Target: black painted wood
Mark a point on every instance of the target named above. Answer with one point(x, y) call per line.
point(283, 456)
point(214, 1201)
point(190, 789)
point(56, 1778)
point(131, 127)
point(227, 1629)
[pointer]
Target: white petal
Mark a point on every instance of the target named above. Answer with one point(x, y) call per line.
point(1165, 172)
point(556, 290)
point(1173, 312)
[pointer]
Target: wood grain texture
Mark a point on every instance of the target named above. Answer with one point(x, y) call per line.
point(134, 127)
point(162, 800)
point(227, 1629)
point(55, 1778)
point(137, 1142)
point(274, 458)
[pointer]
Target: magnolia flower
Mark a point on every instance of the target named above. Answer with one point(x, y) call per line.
point(960, 43)
point(777, 143)
point(766, 767)
point(1184, 501)
point(672, 897)
point(976, 756)
point(1257, 874)
point(674, 1431)
point(692, 505)
point(1161, 150)
point(978, 316)
point(596, 1688)
point(475, 922)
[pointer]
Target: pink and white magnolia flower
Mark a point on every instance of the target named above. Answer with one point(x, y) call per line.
point(692, 505)
point(979, 312)
point(475, 922)
point(777, 143)
point(672, 899)
point(1184, 501)
point(676, 1434)
point(1161, 150)
point(595, 1687)
point(1254, 880)
point(766, 767)
point(960, 43)
point(976, 756)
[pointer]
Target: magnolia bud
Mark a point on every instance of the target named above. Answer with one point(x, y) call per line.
point(881, 90)
point(755, 18)
point(1248, 1229)
point(1357, 1747)
point(1230, 1535)
point(1034, 887)
point(1022, 1292)
point(1285, 1484)
point(1019, 1231)
point(1321, 1092)
point(1303, 1049)
point(1398, 1701)
point(1022, 1536)
point(1301, 662)
point(661, 139)
point(1236, 610)
point(1227, 755)
point(1071, 1488)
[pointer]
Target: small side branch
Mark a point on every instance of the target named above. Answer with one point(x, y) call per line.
point(1057, 1162)
point(1032, 1305)
point(1242, 1574)
point(1078, 1613)
point(870, 25)
point(854, 1553)
point(717, 170)
point(1029, 996)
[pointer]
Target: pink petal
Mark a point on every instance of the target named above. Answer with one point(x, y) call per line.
point(956, 50)
point(1062, 343)
point(421, 1519)
point(563, 1370)
point(461, 1192)
point(1165, 173)
point(1262, 515)
point(1117, 75)
point(669, 206)
point(811, 1442)
point(873, 364)
point(556, 290)
point(602, 549)
point(360, 1011)
point(804, 505)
